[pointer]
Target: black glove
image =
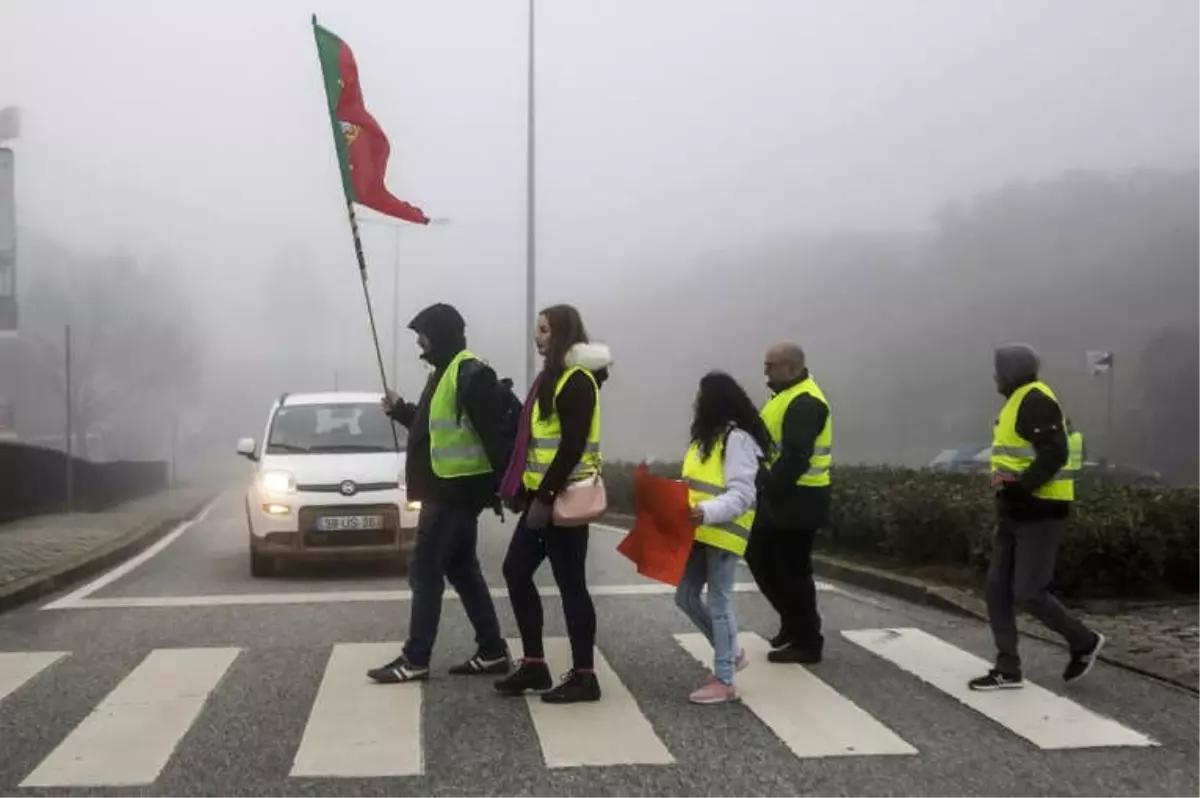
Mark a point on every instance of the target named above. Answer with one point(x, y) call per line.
point(1015, 492)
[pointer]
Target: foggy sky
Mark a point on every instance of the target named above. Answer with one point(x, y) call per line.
point(197, 133)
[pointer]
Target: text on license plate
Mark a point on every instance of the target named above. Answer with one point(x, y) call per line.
point(333, 523)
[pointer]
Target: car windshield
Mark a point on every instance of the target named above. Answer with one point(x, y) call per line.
point(339, 428)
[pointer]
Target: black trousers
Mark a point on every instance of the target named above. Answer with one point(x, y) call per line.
point(447, 535)
point(781, 562)
point(567, 551)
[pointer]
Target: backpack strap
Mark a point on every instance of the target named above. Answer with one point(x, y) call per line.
point(467, 370)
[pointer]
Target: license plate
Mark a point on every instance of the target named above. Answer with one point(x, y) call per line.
point(336, 523)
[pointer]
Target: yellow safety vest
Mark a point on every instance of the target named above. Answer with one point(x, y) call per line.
point(1012, 454)
point(546, 435)
point(706, 480)
point(817, 475)
point(454, 447)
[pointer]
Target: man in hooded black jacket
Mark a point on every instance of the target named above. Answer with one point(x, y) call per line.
point(448, 529)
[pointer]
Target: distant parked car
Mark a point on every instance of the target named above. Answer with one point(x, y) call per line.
point(972, 459)
point(977, 459)
point(327, 482)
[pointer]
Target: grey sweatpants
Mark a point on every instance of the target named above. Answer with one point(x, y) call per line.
point(1021, 570)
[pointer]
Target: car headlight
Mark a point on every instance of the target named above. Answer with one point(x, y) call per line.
point(277, 482)
point(412, 506)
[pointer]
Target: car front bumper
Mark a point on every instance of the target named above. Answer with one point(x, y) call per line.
point(291, 531)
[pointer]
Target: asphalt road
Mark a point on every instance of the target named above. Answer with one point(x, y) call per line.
point(268, 696)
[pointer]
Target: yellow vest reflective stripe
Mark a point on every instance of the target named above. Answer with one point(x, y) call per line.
point(706, 480)
point(546, 435)
point(773, 414)
point(1012, 454)
point(454, 447)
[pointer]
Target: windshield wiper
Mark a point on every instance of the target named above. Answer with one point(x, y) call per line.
point(286, 447)
point(351, 447)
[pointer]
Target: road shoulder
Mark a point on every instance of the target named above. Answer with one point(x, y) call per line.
point(44, 554)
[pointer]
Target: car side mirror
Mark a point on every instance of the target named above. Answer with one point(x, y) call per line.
point(246, 448)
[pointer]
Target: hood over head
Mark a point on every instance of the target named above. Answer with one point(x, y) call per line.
point(1016, 365)
point(443, 325)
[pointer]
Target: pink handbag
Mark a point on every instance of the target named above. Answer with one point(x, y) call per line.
point(580, 503)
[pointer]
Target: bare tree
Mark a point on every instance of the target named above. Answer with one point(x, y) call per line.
point(134, 345)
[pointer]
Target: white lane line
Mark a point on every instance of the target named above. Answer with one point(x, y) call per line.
point(1043, 718)
point(124, 568)
point(130, 735)
point(359, 729)
point(353, 596)
point(18, 667)
point(808, 715)
point(611, 731)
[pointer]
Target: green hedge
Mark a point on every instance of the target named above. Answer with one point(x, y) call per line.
point(1122, 540)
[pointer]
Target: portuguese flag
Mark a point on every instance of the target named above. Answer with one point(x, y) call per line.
point(362, 147)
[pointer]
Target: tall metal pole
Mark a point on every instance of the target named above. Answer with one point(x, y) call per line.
point(1112, 371)
point(70, 423)
point(174, 448)
point(530, 255)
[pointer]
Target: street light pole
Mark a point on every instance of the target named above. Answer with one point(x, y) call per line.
point(70, 432)
point(530, 254)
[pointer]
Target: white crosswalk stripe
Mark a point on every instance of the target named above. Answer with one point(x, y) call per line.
point(1041, 717)
point(357, 729)
point(131, 734)
point(18, 667)
point(811, 718)
point(611, 731)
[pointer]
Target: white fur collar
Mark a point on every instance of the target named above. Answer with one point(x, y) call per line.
point(592, 357)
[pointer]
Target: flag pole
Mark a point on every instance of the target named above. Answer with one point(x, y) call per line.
point(362, 261)
point(362, 273)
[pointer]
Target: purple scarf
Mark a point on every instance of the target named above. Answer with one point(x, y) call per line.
point(511, 484)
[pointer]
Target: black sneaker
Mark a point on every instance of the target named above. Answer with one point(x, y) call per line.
point(573, 688)
point(528, 676)
point(486, 665)
point(780, 640)
point(996, 680)
point(1080, 664)
point(399, 670)
point(791, 652)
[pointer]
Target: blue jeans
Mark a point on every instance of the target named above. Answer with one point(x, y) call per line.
point(716, 568)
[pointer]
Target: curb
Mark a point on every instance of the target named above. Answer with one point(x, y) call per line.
point(135, 540)
point(943, 598)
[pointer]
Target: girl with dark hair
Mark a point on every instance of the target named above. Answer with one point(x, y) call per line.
point(728, 444)
point(558, 443)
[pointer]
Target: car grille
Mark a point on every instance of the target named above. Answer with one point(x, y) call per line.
point(336, 487)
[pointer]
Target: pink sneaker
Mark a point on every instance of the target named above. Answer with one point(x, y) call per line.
point(713, 692)
point(741, 662)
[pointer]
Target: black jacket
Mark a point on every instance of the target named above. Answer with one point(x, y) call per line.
point(782, 504)
point(442, 325)
point(1039, 421)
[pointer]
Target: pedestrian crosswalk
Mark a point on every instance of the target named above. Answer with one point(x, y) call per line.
point(353, 728)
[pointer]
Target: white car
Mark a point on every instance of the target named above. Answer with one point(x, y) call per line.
point(327, 482)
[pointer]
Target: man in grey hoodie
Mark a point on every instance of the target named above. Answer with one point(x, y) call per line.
point(1034, 458)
